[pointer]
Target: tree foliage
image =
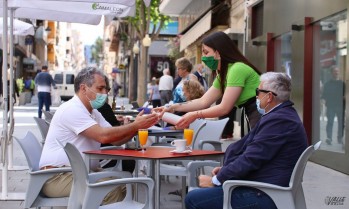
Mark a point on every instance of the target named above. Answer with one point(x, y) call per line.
point(146, 15)
point(97, 51)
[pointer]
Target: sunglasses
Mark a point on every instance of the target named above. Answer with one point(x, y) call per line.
point(264, 91)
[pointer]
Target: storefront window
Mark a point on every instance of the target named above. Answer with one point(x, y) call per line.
point(330, 51)
point(283, 54)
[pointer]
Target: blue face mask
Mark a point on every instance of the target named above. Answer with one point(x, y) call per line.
point(99, 101)
point(258, 103)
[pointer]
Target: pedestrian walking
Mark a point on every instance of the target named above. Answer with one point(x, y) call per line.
point(165, 87)
point(44, 81)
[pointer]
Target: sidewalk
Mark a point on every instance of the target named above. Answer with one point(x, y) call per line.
point(321, 184)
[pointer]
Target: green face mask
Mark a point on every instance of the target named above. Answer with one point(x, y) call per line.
point(210, 62)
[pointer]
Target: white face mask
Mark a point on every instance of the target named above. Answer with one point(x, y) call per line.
point(258, 103)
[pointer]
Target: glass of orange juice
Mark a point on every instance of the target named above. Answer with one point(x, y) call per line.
point(188, 135)
point(142, 137)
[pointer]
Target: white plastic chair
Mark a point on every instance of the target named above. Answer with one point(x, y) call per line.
point(43, 127)
point(32, 151)
point(48, 116)
point(291, 197)
point(210, 132)
point(87, 194)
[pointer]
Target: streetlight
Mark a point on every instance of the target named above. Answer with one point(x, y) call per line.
point(133, 88)
point(146, 43)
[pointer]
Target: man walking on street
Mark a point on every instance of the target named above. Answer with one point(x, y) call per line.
point(44, 81)
point(199, 74)
point(165, 87)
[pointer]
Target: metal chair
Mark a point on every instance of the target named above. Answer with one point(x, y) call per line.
point(43, 127)
point(87, 194)
point(291, 197)
point(32, 151)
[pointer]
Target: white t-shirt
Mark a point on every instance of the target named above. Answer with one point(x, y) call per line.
point(166, 83)
point(68, 122)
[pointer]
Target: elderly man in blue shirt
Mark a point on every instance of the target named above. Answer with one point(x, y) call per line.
point(267, 154)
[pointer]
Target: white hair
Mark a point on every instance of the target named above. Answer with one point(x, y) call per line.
point(279, 83)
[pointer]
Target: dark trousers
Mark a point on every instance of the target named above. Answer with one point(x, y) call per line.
point(44, 98)
point(242, 198)
point(332, 112)
point(166, 96)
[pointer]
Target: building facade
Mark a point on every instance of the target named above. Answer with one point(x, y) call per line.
point(305, 39)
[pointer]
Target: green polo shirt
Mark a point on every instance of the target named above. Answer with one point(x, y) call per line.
point(241, 75)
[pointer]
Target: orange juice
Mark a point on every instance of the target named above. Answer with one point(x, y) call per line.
point(188, 135)
point(142, 136)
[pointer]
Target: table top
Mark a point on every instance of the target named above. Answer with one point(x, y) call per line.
point(155, 153)
point(126, 112)
point(164, 132)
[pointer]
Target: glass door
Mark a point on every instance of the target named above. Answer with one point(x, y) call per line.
point(330, 90)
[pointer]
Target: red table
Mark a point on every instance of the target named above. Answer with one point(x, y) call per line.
point(154, 155)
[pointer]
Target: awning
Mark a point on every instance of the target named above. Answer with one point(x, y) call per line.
point(20, 51)
point(196, 31)
point(173, 8)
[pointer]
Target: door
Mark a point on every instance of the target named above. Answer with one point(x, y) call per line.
point(330, 91)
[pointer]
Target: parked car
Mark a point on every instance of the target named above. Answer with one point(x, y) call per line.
point(65, 83)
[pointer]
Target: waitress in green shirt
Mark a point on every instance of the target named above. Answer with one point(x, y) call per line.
point(236, 83)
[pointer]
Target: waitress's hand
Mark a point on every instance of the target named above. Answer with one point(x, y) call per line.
point(186, 120)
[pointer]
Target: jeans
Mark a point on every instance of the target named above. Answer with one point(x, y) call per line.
point(44, 98)
point(331, 113)
point(242, 198)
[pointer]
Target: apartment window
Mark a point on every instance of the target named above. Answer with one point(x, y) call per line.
point(257, 20)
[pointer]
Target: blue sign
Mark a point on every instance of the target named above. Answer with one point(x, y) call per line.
point(170, 29)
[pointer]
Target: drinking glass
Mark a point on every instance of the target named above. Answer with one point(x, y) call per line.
point(188, 135)
point(142, 137)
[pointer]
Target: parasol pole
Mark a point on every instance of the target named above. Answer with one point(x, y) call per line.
point(12, 93)
point(5, 110)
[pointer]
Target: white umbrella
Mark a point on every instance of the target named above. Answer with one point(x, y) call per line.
point(119, 8)
point(42, 14)
point(19, 27)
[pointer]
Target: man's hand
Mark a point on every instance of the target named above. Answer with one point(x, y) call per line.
point(146, 121)
point(205, 181)
point(215, 171)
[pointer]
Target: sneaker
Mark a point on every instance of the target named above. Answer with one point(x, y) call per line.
point(329, 141)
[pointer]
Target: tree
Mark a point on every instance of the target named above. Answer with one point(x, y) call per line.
point(141, 27)
point(97, 51)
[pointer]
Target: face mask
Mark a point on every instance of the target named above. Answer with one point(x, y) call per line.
point(210, 62)
point(99, 101)
point(258, 103)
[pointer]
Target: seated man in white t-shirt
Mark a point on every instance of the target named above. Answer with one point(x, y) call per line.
point(79, 122)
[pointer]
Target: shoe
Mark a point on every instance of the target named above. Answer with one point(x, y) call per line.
point(328, 141)
point(340, 141)
point(177, 192)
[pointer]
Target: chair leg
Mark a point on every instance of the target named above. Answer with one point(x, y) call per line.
point(184, 191)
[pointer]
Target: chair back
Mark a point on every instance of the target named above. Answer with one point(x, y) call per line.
point(80, 175)
point(298, 171)
point(32, 150)
point(48, 115)
point(43, 127)
point(212, 131)
point(197, 125)
point(135, 105)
